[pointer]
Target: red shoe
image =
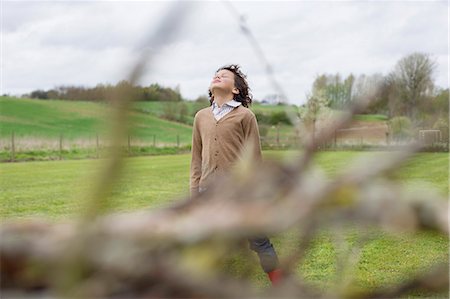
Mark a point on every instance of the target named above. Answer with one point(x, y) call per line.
point(275, 276)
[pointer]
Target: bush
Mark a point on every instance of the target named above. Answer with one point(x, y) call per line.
point(442, 125)
point(176, 111)
point(280, 117)
point(263, 129)
point(436, 148)
point(401, 128)
point(274, 118)
point(262, 118)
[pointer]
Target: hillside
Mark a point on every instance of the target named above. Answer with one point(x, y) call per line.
point(48, 119)
point(41, 122)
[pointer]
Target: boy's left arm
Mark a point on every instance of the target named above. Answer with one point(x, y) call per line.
point(252, 138)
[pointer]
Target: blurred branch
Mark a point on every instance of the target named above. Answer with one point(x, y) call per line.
point(121, 103)
point(245, 29)
point(97, 199)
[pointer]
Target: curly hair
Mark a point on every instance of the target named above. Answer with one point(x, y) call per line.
point(240, 82)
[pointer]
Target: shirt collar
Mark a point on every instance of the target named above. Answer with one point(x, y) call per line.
point(231, 103)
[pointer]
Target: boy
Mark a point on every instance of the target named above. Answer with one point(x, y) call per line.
point(219, 135)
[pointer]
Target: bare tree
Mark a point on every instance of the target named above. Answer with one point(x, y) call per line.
point(314, 107)
point(413, 81)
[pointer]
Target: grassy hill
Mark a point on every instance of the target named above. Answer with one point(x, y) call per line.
point(48, 119)
point(38, 124)
point(159, 109)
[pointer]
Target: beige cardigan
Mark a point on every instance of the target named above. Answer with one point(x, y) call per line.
point(217, 145)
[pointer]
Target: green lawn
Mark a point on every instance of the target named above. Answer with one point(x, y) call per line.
point(51, 188)
point(55, 190)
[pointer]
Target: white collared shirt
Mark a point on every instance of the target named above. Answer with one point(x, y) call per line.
point(226, 108)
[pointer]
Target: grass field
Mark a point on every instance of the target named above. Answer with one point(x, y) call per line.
point(55, 190)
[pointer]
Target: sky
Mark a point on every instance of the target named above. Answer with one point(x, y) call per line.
point(45, 44)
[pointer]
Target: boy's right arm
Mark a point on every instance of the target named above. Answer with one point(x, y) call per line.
point(196, 161)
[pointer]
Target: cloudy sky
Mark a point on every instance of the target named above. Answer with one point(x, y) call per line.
point(52, 43)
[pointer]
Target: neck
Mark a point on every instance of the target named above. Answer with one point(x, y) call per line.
point(221, 99)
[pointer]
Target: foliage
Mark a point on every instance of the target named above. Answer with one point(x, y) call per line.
point(198, 104)
point(102, 93)
point(279, 117)
point(401, 128)
point(337, 91)
point(371, 117)
point(408, 90)
point(177, 111)
point(442, 125)
point(273, 118)
point(412, 79)
point(263, 130)
point(440, 103)
point(316, 104)
point(435, 112)
point(341, 93)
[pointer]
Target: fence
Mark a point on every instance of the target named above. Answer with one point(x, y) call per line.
point(92, 147)
point(362, 138)
point(62, 147)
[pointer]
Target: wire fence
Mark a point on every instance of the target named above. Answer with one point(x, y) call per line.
point(97, 146)
point(62, 147)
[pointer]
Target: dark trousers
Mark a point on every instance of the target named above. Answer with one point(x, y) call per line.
point(262, 246)
point(266, 253)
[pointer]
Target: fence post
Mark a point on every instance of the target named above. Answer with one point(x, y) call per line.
point(13, 147)
point(96, 142)
point(178, 140)
point(335, 139)
point(129, 145)
point(60, 146)
point(278, 136)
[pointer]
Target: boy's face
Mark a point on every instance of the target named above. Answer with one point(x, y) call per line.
point(223, 80)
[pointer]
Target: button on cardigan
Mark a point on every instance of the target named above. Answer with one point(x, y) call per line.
point(217, 145)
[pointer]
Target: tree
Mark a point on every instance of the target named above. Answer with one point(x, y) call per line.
point(373, 90)
point(316, 102)
point(413, 81)
point(39, 94)
point(337, 91)
point(183, 112)
point(401, 128)
point(440, 103)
